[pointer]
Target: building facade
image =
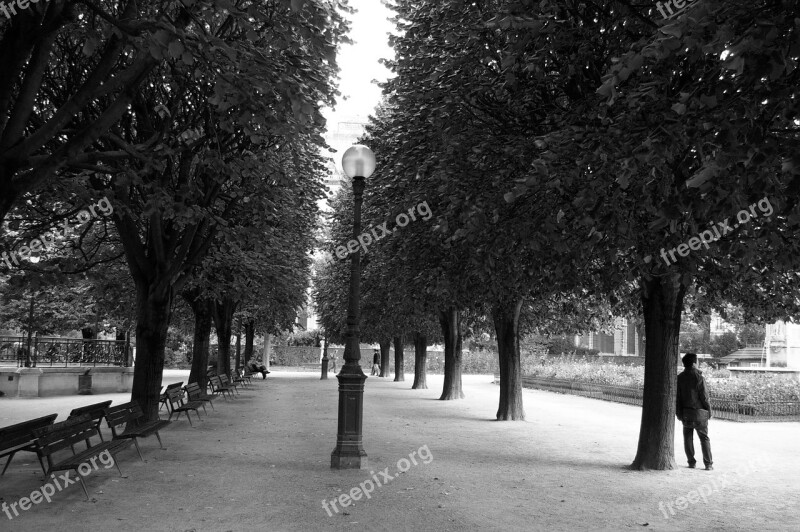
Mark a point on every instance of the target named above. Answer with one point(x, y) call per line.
point(622, 340)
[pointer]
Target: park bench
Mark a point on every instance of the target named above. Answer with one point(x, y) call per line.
point(131, 415)
point(19, 437)
point(95, 413)
point(59, 436)
point(162, 399)
point(217, 388)
point(246, 375)
point(194, 393)
point(223, 379)
point(177, 404)
point(238, 379)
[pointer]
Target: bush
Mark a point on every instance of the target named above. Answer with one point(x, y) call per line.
point(478, 361)
point(749, 388)
point(560, 345)
point(176, 359)
point(305, 339)
point(723, 345)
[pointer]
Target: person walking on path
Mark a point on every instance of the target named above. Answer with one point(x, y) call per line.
point(376, 363)
point(694, 410)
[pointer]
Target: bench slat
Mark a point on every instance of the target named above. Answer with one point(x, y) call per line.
point(64, 435)
point(15, 437)
point(73, 462)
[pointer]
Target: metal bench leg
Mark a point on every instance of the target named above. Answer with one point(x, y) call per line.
point(212, 405)
point(159, 440)
point(136, 443)
point(9, 461)
point(189, 418)
point(44, 469)
point(204, 409)
point(80, 479)
point(116, 463)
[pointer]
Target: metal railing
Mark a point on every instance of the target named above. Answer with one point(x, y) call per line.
point(730, 407)
point(64, 352)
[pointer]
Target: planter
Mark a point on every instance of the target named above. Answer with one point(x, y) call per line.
point(85, 384)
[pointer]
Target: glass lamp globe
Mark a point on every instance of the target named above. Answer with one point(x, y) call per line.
point(358, 160)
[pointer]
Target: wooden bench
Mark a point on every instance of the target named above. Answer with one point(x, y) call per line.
point(246, 379)
point(95, 413)
point(63, 435)
point(131, 415)
point(226, 382)
point(19, 437)
point(177, 404)
point(246, 374)
point(162, 399)
point(217, 388)
point(194, 393)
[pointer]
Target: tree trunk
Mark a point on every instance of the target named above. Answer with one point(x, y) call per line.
point(153, 313)
point(223, 323)
point(506, 324)
point(662, 302)
point(641, 340)
point(202, 339)
point(238, 346)
point(420, 362)
point(450, 321)
point(385, 344)
point(399, 366)
point(249, 337)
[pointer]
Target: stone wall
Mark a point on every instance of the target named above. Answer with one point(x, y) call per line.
point(47, 382)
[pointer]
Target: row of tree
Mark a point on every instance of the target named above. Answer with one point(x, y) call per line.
point(564, 147)
point(200, 122)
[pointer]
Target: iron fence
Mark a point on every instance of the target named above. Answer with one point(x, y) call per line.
point(730, 407)
point(64, 352)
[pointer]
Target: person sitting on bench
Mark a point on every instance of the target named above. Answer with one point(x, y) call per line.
point(257, 365)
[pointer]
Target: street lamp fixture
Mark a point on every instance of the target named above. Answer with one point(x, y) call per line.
point(358, 163)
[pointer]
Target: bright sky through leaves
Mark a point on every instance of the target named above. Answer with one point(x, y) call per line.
point(359, 62)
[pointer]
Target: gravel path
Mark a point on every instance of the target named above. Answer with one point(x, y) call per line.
point(262, 462)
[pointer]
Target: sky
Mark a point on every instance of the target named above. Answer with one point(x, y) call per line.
point(359, 62)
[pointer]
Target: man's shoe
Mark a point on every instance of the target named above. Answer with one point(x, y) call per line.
point(691, 466)
point(709, 468)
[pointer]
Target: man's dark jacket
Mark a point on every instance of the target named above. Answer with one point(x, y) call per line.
point(692, 396)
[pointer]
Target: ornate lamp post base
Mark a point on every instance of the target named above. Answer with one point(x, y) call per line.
point(349, 452)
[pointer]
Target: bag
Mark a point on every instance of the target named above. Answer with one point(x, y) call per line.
point(695, 415)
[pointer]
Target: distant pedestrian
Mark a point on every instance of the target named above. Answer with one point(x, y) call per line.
point(693, 408)
point(376, 363)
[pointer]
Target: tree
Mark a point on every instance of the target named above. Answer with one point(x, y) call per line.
point(259, 129)
point(71, 70)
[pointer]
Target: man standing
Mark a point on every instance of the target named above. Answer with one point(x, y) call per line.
point(693, 409)
point(376, 363)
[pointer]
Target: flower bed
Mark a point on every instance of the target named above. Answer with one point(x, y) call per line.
point(744, 389)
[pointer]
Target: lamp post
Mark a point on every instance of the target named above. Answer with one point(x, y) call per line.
point(325, 359)
point(358, 163)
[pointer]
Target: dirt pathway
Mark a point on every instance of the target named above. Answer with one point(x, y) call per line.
point(262, 463)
